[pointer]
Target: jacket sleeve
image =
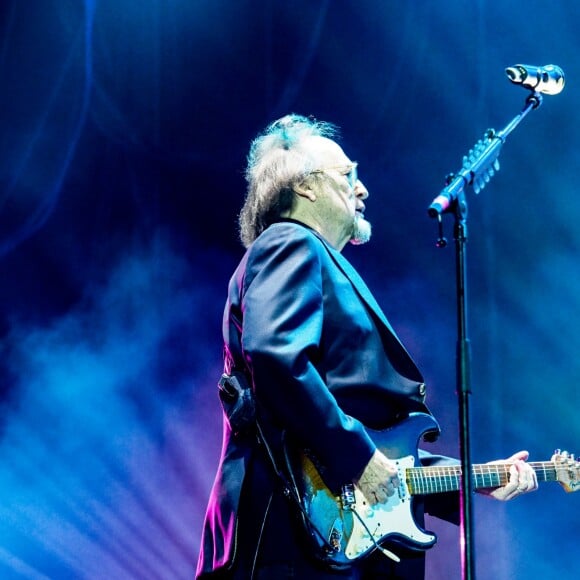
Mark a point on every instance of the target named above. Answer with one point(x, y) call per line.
point(283, 316)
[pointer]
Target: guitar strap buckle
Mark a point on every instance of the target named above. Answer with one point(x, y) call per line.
point(237, 401)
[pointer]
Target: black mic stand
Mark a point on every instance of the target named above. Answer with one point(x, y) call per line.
point(479, 166)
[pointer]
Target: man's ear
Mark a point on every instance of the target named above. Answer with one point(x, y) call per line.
point(304, 189)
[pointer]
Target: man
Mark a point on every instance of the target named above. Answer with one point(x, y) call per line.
point(323, 364)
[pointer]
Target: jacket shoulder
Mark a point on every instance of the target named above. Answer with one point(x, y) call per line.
point(287, 234)
point(284, 244)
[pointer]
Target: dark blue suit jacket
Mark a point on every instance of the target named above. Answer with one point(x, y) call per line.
point(323, 362)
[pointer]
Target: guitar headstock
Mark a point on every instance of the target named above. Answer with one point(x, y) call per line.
point(567, 470)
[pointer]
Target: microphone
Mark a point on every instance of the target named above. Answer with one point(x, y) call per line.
point(548, 79)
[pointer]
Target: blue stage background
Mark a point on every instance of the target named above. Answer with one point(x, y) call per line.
point(123, 133)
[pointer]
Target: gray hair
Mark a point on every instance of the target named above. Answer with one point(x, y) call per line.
point(277, 160)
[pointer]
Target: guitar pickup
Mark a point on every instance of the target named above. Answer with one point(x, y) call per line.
point(348, 497)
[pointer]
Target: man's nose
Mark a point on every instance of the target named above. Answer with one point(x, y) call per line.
point(360, 190)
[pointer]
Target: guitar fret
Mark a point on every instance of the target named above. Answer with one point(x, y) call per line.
point(427, 480)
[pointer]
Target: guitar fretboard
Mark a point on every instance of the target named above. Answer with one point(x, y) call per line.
point(427, 480)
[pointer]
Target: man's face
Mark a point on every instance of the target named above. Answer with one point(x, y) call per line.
point(340, 193)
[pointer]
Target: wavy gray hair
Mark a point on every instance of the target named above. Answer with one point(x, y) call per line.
point(277, 160)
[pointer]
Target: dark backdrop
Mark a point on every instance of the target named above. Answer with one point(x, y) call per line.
point(124, 130)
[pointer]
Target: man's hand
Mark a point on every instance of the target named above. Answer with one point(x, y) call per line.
point(522, 478)
point(379, 479)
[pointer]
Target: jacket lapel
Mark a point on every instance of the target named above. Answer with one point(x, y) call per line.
point(387, 331)
point(359, 285)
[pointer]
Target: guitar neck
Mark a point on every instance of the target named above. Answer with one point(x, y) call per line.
point(427, 480)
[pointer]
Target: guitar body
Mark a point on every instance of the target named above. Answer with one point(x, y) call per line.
point(345, 527)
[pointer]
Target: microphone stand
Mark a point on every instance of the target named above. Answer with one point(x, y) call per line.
point(479, 166)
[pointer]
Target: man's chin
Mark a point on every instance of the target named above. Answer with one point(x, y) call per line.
point(362, 231)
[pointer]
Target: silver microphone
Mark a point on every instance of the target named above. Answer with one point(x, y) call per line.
point(548, 79)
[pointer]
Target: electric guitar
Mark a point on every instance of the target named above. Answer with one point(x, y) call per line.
point(346, 528)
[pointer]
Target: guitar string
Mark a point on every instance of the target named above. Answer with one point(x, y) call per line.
point(446, 478)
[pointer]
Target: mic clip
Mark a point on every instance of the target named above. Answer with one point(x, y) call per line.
point(479, 166)
point(534, 99)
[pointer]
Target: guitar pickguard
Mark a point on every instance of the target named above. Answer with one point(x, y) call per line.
point(392, 519)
